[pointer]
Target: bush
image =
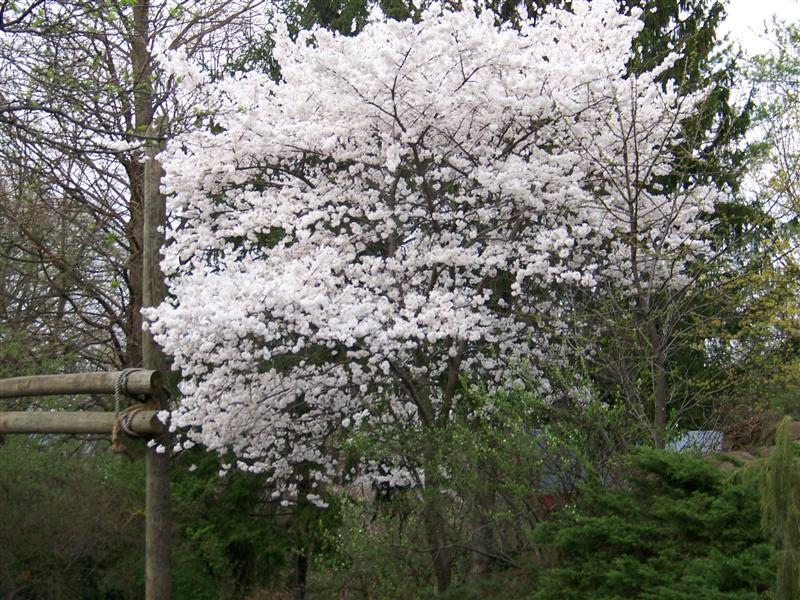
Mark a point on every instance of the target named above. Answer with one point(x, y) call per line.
point(676, 528)
point(71, 522)
point(504, 463)
point(72, 525)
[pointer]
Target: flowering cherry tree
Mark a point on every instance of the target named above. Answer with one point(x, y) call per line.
point(402, 209)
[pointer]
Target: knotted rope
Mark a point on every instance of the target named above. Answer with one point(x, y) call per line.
point(123, 418)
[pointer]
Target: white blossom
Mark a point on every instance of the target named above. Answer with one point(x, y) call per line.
point(405, 207)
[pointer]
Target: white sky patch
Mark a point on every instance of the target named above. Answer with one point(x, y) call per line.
point(747, 20)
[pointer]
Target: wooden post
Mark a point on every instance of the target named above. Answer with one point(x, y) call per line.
point(142, 423)
point(158, 534)
point(158, 513)
point(138, 383)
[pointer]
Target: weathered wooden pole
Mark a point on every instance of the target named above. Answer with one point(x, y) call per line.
point(142, 423)
point(158, 520)
point(138, 383)
point(158, 534)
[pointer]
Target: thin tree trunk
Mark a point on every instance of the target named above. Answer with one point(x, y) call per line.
point(301, 574)
point(440, 552)
point(483, 502)
point(134, 230)
point(479, 561)
point(434, 518)
point(660, 386)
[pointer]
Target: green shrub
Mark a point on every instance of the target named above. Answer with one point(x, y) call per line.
point(71, 521)
point(676, 528)
point(72, 525)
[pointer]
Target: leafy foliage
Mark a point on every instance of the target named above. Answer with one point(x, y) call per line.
point(230, 539)
point(507, 462)
point(72, 525)
point(71, 522)
point(781, 509)
point(676, 528)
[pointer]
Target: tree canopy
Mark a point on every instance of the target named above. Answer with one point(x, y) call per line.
point(404, 208)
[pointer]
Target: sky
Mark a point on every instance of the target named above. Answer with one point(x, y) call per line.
point(746, 20)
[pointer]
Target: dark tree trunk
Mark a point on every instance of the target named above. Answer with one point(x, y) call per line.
point(134, 230)
point(301, 574)
point(440, 553)
point(660, 386)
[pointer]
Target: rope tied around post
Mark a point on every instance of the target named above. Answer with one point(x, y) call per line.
point(123, 418)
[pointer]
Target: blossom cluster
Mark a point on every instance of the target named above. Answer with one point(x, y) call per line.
point(403, 208)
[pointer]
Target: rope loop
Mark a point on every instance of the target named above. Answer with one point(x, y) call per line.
point(123, 418)
point(121, 386)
